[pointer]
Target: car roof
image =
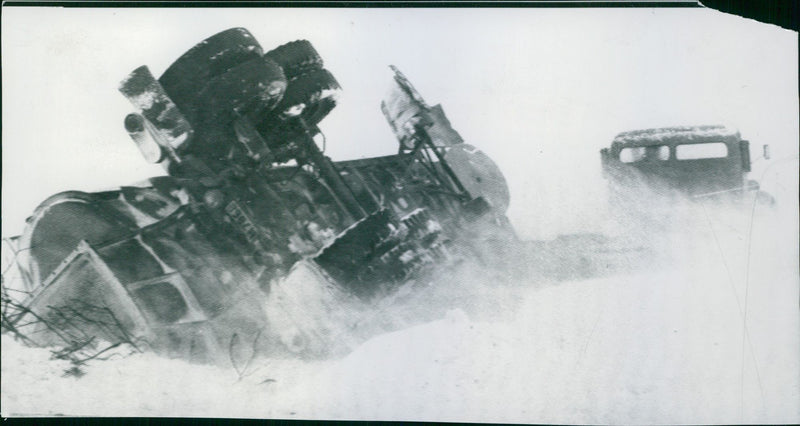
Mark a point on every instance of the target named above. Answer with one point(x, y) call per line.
point(680, 134)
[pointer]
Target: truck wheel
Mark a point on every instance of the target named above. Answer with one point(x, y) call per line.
point(209, 58)
point(296, 58)
point(311, 96)
point(250, 87)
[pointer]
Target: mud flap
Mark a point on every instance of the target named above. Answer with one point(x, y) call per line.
point(310, 314)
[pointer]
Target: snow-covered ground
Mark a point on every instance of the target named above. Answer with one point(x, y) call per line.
point(711, 338)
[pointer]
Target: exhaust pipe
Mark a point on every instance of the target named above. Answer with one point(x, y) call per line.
point(151, 151)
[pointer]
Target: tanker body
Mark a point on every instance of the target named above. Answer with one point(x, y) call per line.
point(254, 239)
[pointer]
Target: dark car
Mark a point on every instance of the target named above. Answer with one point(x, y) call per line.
point(698, 161)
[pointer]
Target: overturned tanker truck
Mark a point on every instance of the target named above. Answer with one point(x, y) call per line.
point(254, 235)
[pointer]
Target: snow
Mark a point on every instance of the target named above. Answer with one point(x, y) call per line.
point(691, 132)
point(665, 345)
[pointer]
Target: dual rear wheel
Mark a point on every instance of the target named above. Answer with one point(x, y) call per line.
point(228, 74)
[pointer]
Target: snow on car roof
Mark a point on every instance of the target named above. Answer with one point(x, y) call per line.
point(686, 134)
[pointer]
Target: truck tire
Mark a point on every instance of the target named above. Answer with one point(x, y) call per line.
point(250, 87)
point(311, 95)
point(296, 58)
point(209, 58)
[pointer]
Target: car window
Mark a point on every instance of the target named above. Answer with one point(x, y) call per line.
point(701, 150)
point(640, 153)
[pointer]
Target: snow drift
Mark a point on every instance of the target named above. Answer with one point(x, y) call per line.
point(709, 338)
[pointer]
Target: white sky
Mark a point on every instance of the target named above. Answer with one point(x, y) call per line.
point(539, 90)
